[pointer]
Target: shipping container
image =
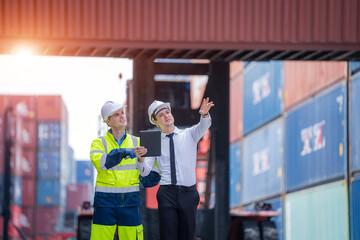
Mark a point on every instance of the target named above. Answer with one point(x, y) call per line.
point(28, 220)
point(236, 101)
point(355, 207)
point(28, 192)
point(235, 174)
point(76, 194)
point(50, 192)
point(49, 164)
point(319, 213)
point(48, 219)
point(51, 108)
point(28, 134)
point(16, 160)
point(316, 139)
point(354, 67)
point(262, 163)
point(16, 219)
point(15, 190)
point(25, 106)
point(263, 93)
point(355, 122)
point(50, 135)
point(85, 172)
point(277, 205)
point(303, 79)
point(28, 162)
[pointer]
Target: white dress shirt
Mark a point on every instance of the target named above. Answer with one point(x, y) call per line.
point(185, 144)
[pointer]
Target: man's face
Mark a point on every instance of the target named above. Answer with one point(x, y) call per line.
point(164, 118)
point(117, 120)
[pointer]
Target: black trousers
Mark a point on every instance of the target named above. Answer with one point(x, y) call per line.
point(177, 206)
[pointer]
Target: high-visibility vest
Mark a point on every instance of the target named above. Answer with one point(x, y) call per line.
point(122, 178)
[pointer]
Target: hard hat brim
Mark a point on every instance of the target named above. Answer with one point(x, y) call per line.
point(158, 109)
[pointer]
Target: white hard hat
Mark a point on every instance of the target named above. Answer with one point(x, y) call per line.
point(155, 108)
point(109, 108)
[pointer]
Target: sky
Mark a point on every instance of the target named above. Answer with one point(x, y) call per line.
point(84, 83)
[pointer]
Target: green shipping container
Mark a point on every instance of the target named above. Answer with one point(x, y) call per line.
point(319, 213)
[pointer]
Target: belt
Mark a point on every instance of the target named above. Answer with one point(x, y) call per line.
point(179, 187)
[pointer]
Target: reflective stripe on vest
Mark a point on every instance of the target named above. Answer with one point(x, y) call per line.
point(117, 189)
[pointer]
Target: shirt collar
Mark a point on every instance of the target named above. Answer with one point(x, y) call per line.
point(176, 131)
point(121, 139)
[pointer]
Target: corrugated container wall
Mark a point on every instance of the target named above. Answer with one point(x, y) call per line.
point(263, 93)
point(76, 194)
point(319, 213)
point(355, 122)
point(277, 205)
point(51, 192)
point(354, 67)
point(180, 21)
point(84, 172)
point(316, 139)
point(47, 219)
point(355, 207)
point(51, 108)
point(236, 100)
point(303, 79)
point(262, 163)
point(235, 174)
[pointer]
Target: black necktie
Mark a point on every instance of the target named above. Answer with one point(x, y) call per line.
point(172, 159)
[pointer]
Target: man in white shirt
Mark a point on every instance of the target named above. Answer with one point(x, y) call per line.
point(177, 196)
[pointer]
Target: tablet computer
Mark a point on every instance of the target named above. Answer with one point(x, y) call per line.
point(151, 139)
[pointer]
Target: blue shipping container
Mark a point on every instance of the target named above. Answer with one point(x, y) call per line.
point(235, 155)
point(355, 122)
point(50, 192)
point(49, 135)
point(262, 163)
point(316, 139)
point(354, 66)
point(355, 208)
point(263, 93)
point(277, 206)
point(85, 172)
point(48, 164)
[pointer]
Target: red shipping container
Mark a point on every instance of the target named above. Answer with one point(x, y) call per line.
point(46, 219)
point(303, 79)
point(77, 194)
point(236, 101)
point(24, 105)
point(28, 220)
point(28, 162)
point(28, 192)
point(2, 158)
point(51, 108)
point(29, 134)
point(15, 163)
point(236, 67)
point(16, 219)
point(151, 201)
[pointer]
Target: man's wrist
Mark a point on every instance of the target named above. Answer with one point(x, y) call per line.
point(205, 115)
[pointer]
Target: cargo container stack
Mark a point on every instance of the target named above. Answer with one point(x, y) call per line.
point(354, 165)
point(17, 127)
point(52, 164)
point(82, 190)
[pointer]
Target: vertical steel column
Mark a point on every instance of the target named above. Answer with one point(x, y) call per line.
point(143, 92)
point(218, 91)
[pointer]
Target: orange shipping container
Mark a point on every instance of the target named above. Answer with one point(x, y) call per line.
point(236, 100)
point(303, 79)
point(51, 108)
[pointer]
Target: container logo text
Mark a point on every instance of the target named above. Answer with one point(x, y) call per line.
point(261, 161)
point(261, 88)
point(312, 138)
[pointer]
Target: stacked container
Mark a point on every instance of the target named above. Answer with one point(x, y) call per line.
point(354, 149)
point(294, 136)
point(52, 164)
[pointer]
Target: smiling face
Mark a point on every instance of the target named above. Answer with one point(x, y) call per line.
point(164, 119)
point(117, 120)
